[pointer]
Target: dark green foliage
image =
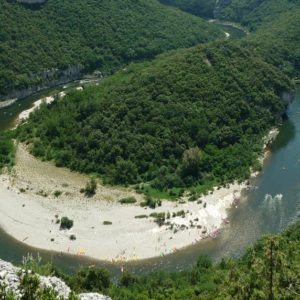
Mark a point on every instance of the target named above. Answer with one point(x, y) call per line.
point(254, 13)
point(88, 34)
point(192, 117)
point(7, 150)
point(128, 279)
point(92, 279)
point(159, 218)
point(90, 187)
point(66, 223)
point(128, 200)
point(202, 8)
point(107, 223)
point(29, 286)
point(141, 217)
point(150, 202)
point(278, 42)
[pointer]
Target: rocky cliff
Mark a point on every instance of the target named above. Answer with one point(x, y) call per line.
point(49, 78)
point(10, 278)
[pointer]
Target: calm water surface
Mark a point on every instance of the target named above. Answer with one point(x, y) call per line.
point(269, 207)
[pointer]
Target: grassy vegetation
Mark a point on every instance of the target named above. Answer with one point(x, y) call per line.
point(7, 150)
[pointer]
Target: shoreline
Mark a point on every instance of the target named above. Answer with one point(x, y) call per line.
point(23, 206)
point(29, 211)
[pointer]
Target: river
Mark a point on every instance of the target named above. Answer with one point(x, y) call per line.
point(268, 207)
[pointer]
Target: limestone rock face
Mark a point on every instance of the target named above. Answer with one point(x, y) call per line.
point(9, 277)
point(93, 296)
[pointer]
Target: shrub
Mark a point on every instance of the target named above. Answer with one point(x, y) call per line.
point(57, 194)
point(90, 188)
point(72, 237)
point(141, 217)
point(92, 279)
point(159, 218)
point(150, 202)
point(107, 223)
point(204, 262)
point(128, 200)
point(66, 223)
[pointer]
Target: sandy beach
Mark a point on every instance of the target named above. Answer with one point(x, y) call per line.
point(29, 210)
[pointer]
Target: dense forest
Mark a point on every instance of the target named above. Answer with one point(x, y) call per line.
point(187, 118)
point(254, 13)
point(268, 270)
point(278, 42)
point(202, 8)
point(88, 35)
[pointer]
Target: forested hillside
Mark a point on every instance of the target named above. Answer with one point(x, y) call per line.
point(202, 8)
point(187, 118)
point(254, 13)
point(278, 42)
point(88, 34)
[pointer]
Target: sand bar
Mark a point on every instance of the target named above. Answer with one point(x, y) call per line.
point(28, 208)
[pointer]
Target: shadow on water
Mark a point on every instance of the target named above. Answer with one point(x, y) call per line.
point(269, 206)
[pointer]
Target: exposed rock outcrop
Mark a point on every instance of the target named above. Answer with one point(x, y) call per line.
point(93, 296)
point(10, 278)
point(50, 78)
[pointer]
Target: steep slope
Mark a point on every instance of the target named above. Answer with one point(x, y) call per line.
point(178, 121)
point(202, 8)
point(38, 43)
point(254, 13)
point(278, 42)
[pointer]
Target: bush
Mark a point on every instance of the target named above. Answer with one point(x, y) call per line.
point(66, 223)
point(128, 200)
point(92, 279)
point(141, 217)
point(150, 202)
point(57, 194)
point(204, 262)
point(107, 223)
point(159, 218)
point(90, 188)
point(72, 237)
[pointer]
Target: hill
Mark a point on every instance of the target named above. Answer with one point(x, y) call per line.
point(255, 13)
point(61, 38)
point(178, 121)
point(278, 42)
point(202, 8)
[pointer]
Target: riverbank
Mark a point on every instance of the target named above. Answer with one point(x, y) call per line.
point(29, 211)
point(232, 24)
point(6, 103)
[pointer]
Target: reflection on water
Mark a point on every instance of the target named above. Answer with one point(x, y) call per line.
point(269, 207)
